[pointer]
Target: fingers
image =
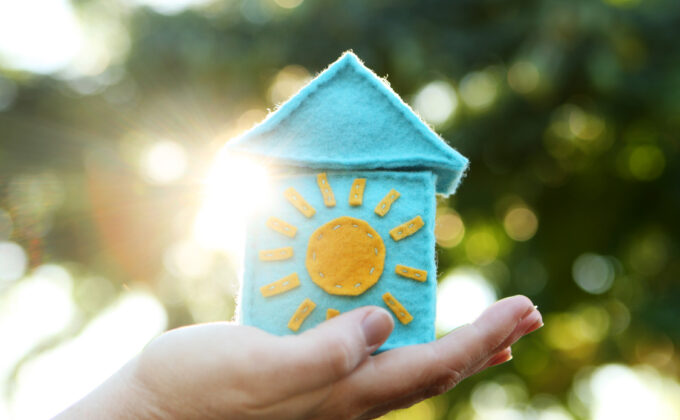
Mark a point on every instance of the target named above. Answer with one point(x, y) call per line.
point(335, 348)
point(499, 326)
point(430, 369)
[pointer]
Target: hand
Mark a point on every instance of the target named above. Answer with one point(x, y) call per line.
point(223, 371)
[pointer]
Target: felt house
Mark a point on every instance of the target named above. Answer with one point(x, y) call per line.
point(350, 218)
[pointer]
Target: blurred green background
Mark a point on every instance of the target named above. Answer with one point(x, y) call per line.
point(112, 114)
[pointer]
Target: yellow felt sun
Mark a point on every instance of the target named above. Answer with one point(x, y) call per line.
point(345, 256)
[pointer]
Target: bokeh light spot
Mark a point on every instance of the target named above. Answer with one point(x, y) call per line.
point(520, 223)
point(449, 228)
point(13, 262)
point(584, 125)
point(288, 4)
point(479, 89)
point(31, 311)
point(577, 332)
point(461, 298)
point(287, 82)
point(164, 162)
point(64, 374)
point(593, 273)
point(523, 77)
point(424, 410)
point(481, 246)
point(186, 259)
point(436, 102)
point(649, 252)
point(168, 6)
point(39, 36)
point(646, 162)
point(620, 392)
point(488, 397)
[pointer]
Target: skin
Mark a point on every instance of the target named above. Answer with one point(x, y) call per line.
point(225, 371)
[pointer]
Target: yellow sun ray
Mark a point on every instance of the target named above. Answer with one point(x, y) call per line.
point(399, 311)
point(299, 202)
point(283, 285)
point(407, 229)
point(384, 205)
point(356, 194)
point(282, 227)
point(411, 273)
point(326, 190)
point(331, 313)
point(277, 254)
point(301, 313)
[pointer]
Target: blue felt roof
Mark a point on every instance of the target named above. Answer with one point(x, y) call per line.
point(349, 118)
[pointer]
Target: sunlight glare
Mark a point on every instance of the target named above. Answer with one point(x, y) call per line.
point(39, 36)
point(234, 187)
point(31, 311)
point(169, 7)
point(164, 162)
point(63, 375)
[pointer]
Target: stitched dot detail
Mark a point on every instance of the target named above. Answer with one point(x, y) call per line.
point(301, 313)
point(386, 203)
point(276, 254)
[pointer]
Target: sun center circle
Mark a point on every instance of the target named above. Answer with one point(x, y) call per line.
point(345, 256)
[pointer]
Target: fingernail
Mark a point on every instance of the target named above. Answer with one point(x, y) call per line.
point(376, 327)
point(532, 322)
point(502, 357)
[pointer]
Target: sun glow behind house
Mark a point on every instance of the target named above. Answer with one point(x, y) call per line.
point(233, 188)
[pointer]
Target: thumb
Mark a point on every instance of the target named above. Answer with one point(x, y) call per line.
point(332, 350)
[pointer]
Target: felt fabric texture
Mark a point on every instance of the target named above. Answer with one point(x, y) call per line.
point(407, 229)
point(280, 286)
point(282, 227)
point(348, 118)
point(326, 190)
point(356, 194)
point(399, 311)
point(331, 313)
point(299, 202)
point(346, 256)
point(277, 254)
point(302, 312)
point(418, 298)
point(411, 273)
point(386, 203)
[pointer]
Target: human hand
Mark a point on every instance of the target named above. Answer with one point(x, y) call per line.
point(221, 370)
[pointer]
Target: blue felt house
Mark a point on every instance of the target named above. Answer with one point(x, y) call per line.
point(350, 219)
